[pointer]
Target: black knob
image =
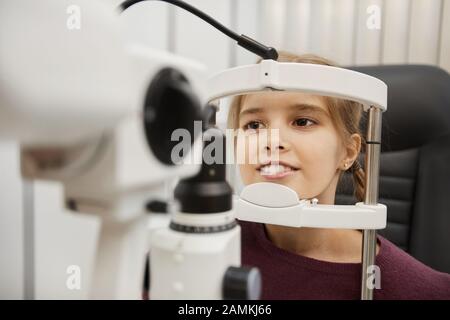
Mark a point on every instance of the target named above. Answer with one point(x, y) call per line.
point(156, 206)
point(242, 283)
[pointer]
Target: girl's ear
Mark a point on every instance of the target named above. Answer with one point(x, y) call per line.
point(352, 150)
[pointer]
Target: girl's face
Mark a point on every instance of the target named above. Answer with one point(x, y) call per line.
point(305, 154)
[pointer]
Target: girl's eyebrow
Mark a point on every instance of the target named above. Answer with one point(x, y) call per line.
point(251, 111)
point(296, 106)
point(308, 107)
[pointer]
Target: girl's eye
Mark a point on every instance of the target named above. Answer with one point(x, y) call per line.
point(304, 122)
point(253, 125)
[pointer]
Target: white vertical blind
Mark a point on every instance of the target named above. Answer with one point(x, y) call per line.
point(197, 40)
point(425, 31)
point(246, 20)
point(444, 54)
point(321, 28)
point(412, 31)
point(331, 33)
point(396, 31)
point(342, 26)
point(298, 22)
point(368, 41)
point(272, 22)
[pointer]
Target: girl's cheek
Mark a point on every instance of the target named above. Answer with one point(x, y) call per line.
point(318, 144)
point(247, 174)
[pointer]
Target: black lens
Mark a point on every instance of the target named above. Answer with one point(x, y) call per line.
point(170, 104)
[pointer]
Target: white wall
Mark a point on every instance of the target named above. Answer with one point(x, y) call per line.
point(11, 220)
point(63, 240)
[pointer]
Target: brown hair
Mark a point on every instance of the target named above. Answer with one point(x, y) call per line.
point(345, 114)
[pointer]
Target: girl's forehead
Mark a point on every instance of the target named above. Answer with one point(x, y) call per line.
point(282, 99)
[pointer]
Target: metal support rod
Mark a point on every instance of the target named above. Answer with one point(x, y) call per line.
point(29, 241)
point(372, 169)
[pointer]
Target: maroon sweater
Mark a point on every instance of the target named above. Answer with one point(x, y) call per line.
point(289, 276)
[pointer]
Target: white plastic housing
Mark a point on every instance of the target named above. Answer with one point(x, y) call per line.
point(308, 78)
point(123, 163)
point(277, 204)
point(191, 266)
point(59, 84)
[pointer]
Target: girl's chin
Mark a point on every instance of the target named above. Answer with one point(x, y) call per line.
point(286, 181)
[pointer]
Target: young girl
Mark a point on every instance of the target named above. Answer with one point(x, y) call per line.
point(318, 140)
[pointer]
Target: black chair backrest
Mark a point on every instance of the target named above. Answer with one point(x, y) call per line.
point(415, 161)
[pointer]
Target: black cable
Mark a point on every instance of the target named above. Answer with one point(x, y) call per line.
point(192, 10)
point(242, 40)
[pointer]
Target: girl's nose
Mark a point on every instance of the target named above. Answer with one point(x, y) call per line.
point(274, 147)
point(276, 143)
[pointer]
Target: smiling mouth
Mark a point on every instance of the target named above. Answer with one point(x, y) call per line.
point(276, 170)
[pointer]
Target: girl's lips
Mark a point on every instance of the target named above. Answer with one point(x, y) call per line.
point(278, 175)
point(277, 163)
